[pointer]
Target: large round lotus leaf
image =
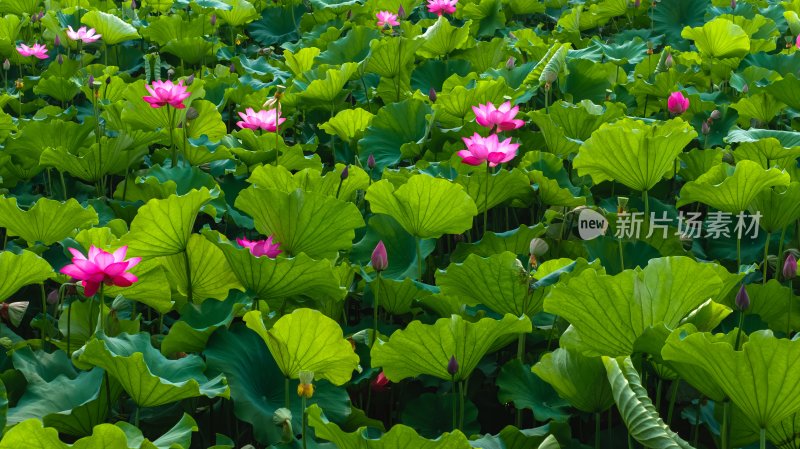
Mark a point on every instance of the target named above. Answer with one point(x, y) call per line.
point(760, 378)
point(732, 189)
point(719, 38)
point(47, 221)
point(18, 270)
point(609, 313)
point(633, 153)
point(307, 340)
point(425, 206)
point(579, 379)
point(427, 348)
point(147, 376)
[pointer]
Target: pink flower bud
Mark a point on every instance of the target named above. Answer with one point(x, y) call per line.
point(742, 299)
point(452, 366)
point(371, 161)
point(380, 260)
point(790, 267)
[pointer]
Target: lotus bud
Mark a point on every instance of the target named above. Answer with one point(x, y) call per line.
point(432, 95)
point(41, 14)
point(349, 14)
point(380, 383)
point(191, 113)
point(668, 61)
point(57, 41)
point(510, 63)
point(19, 84)
point(232, 68)
point(170, 73)
point(733, 4)
point(371, 161)
point(14, 312)
point(742, 299)
point(715, 114)
point(379, 259)
point(705, 129)
point(745, 89)
point(60, 59)
point(133, 4)
point(538, 247)
point(345, 172)
point(6, 64)
point(790, 267)
point(306, 387)
point(401, 12)
point(213, 20)
point(52, 297)
point(622, 204)
point(189, 80)
point(637, 3)
point(452, 366)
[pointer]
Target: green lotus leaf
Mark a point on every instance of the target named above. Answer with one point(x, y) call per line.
point(762, 107)
point(517, 241)
point(178, 437)
point(240, 13)
point(149, 378)
point(61, 89)
point(303, 222)
point(114, 29)
point(312, 180)
point(503, 186)
point(353, 47)
point(390, 57)
point(399, 437)
point(787, 89)
point(166, 28)
point(111, 156)
point(499, 281)
point(26, 147)
point(719, 38)
point(551, 193)
point(425, 206)
point(516, 383)
point(280, 278)
point(348, 124)
point(732, 189)
point(31, 434)
point(47, 221)
point(400, 247)
point(698, 161)
point(152, 289)
point(454, 106)
point(198, 321)
point(336, 6)
point(587, 80)
point(633, 153)
point(20, 7)
point(427, 348)
point(396, 296)
point(779, 207)
point(787, 138)
point(770, 302)
point(441, 38)
point(513, 438)
point(612, 312)
point(323, 91)
point(566, 126)
point(766, 152)
point(276, 25)
point(430, 415)
point(18, 270)
point(579, 379)
point(302, 60)
point(395, 124)
point(636, 408)
point(759, 378)
point(69, 400)
point(307, 340)
point(163, 227)
point(550, 67)
point(258, 387)
point(208, 269)
point(695, 375)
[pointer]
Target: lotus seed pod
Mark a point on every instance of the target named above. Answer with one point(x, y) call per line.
point(538, 247)
point(191, 113)
point(715, 114)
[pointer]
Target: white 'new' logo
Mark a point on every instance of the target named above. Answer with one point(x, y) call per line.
point(591, 224)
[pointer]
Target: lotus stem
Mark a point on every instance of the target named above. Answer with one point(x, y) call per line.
point(696, 428)
point(462, 394)
point(173, 148)
point(305, 423)
point(621, 255)
point(673, 398)
point(780, 253)
point(646, 200)
point(659, 388)
point(69, 330)
point(486, 201)
point(762, 438)
point(789, 315)
point(597, 430)
point(375, 309)
point(420, 260)
point(100, 300)
point(726, 407)
point(738, 253)
point(766, 256)
point(287, 398)
point(455, 404)
point(136, 415)
point(46, 324)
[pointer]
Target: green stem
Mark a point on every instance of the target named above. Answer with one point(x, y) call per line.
point(188, 276)
point(726, 407)
point(766, 256)
point(789, 315)
point(739, 330)
point(672, 400)
point(69, 331)
point(455, 405)
point(173, 148)
point(762, 438)
point(101, 302)
point(597, 430)
point(462, 394)
point(659, 388)
point(305, 424)
point(621, 255)
point(738, 253)
point(375, 309)
point(136, 416)
point(646, 200)
point(778, 268)
point(486, 201)
point(46, 328)
point(287, 398)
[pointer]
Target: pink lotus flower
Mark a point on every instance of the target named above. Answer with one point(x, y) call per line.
point(260, 248)
point(440, 7)
point(677, 104)
point(84, 35)
point(797, 42)
point(489, 116)
point(260, 120)
point(380, 383)
point(487, 149)
point(38, 50)
point(387, 18)
point(101, 267)
point(164, 93)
